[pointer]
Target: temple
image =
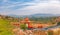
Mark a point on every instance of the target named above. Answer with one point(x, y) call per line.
point(30, 24)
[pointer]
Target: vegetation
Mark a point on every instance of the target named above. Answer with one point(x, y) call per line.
point(50, 33)
point(6, 27)
point(44, 19)
point(23, 26)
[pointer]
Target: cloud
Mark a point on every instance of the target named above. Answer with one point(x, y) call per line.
point(5, 0)
point(32, 7)
point(53, 8)
point(9, 4)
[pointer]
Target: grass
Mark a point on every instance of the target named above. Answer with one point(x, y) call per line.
point(5, 27)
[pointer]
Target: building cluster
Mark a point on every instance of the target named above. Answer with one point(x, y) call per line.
point(55, 31)
point(30, 24)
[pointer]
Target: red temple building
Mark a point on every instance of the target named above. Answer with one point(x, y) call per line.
point(30, 24)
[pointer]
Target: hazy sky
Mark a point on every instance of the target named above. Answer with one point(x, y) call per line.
point(27, 7)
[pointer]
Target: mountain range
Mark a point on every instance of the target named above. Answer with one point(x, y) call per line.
point(34, 15)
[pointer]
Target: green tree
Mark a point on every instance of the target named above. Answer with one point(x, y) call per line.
point(23, 26)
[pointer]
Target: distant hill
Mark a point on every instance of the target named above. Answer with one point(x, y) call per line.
point(42, 15)
point(13, 15)
point(34, 15)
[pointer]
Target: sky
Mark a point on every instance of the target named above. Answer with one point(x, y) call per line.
point(28, 7)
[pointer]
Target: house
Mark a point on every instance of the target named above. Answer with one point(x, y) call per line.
point(34, 25)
